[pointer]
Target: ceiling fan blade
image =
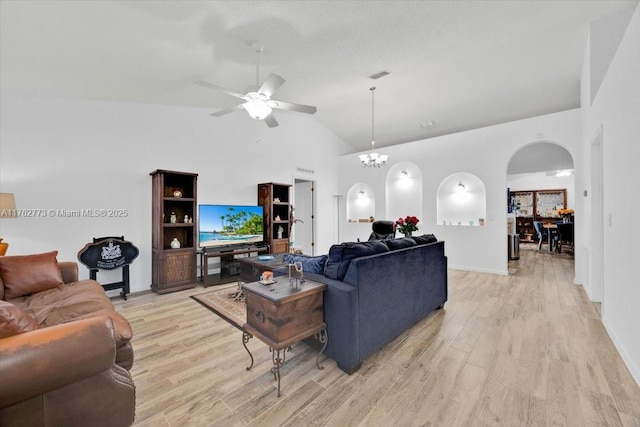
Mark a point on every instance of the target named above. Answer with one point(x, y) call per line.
point(219, 88)
point(271, 121)
point(295, 107)
point(228, 110)
point(270, 85)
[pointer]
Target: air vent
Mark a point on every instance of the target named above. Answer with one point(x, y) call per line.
point(378, 75)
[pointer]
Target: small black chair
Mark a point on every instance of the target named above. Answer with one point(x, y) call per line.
point(565, 230)
point(383, 230)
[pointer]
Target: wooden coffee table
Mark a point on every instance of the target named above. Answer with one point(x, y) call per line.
point(251, 268)
point(281, 314)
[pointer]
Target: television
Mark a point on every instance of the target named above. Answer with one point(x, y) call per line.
point(225, 225)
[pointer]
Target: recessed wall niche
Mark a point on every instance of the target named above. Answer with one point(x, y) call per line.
point(361, 203)
point(462, 200)
point(403, 191)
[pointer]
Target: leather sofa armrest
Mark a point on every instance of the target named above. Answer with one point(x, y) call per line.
point(69, 271)
point(34, 363)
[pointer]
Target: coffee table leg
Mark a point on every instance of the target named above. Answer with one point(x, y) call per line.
point(323, 337)
point(277, 362)
point(246, 336)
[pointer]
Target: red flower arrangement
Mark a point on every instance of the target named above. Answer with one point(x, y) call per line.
point(407, 224)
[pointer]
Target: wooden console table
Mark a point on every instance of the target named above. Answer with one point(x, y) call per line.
point(281, 314)
point(206, 254)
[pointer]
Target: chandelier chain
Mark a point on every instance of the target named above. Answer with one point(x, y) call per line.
point(373, 141)
point(373, 159)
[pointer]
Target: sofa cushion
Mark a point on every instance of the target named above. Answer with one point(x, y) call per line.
point(425, 239)
point(27, 274)
point(340, 256)
point(310, 264)
point(74, 301)
point(400, 243)
point(14, 321)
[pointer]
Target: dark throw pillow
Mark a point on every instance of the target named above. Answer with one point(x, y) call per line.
point(425, 239)
point(400, 243)
point(310, 264)
point(340, 256)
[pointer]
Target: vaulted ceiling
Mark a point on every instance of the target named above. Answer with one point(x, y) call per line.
point(458, 64)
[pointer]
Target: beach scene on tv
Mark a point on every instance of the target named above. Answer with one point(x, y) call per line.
point(221, 225)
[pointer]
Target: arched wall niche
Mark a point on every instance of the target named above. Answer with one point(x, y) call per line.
point(361, 202)
point(403, 191)
point(462, 200)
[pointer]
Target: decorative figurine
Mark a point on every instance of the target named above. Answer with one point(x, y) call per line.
point(186, 219)
point(280, 231)
point(173, 218)
point(296, 275)
point(175, 243)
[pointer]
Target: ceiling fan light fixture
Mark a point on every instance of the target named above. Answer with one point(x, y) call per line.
point(257, 109)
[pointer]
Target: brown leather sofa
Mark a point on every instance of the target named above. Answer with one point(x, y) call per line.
point(64, 351)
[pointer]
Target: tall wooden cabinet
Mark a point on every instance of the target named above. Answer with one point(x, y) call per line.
point(536, 205)
point(276, 202)
point(174, 196)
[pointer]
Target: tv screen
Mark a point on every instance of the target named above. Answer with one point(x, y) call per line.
point(221, 225)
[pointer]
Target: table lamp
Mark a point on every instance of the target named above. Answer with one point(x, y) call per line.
point(7, 210)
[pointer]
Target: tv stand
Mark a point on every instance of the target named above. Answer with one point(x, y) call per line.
point(229, 264)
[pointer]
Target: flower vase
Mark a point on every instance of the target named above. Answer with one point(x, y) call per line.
point(408, 233)
point(566, 219)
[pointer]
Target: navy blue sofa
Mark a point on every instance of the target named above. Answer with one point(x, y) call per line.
point(372, 299)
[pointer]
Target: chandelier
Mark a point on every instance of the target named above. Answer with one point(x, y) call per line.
point(373, 159)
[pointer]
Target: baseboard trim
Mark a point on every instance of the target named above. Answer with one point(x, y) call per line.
point(479, 270)
point(628, 360)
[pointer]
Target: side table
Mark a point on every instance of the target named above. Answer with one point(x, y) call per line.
point(281, 314)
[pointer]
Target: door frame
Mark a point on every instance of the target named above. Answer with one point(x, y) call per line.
point(297, 180)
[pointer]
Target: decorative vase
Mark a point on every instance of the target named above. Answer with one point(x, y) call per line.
point(408, 233)
point(175, 243)
point(173, 218)
point(566, 219)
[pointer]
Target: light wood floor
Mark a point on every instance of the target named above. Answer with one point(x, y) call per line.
point(518, 350)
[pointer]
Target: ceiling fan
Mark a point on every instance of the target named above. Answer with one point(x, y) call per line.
point(258, 102)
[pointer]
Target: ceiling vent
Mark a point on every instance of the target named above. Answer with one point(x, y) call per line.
point(378, 75)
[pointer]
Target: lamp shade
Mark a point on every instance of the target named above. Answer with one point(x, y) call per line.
point(7, 205)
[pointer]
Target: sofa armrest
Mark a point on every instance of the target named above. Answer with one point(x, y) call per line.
point(69, 271)
point(341, 306)
point(34, 363)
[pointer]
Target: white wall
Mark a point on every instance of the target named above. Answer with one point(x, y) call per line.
point(64, 154)
point(483, 152)
point(615, 110)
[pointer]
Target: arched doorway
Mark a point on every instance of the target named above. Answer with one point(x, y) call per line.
point(537, 167)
